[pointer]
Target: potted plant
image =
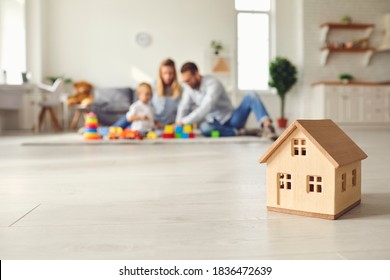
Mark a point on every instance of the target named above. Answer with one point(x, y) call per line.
point(52, 79)
point(346, 20)
point(345, 78)
point(68, 82)
point(283, 75)
point(216, 46)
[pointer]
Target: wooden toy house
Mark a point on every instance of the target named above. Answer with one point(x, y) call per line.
point(313, 169)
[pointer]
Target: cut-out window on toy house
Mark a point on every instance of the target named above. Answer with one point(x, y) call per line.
point(284, 181)
point(343, 182)
point(298, 147)
point(314, 184)
point(353, 177)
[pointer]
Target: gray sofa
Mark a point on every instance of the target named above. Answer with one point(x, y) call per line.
point(110, 104)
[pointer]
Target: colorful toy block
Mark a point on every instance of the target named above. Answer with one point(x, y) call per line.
point(131, 134)
point(115, 132)
point(151, 135)
point(215, 134)
point(171, 132)
point(179, 129)
point(168, 135)
point(169, 129)
point(187, 128)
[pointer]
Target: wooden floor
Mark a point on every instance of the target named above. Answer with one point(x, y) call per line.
point(201, 201)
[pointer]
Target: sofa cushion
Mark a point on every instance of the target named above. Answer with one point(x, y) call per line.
point(113, 98)
point(113, 108)
point(110, 104)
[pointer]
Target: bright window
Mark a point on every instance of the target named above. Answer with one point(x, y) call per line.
point(253, 43)
point(12, 39)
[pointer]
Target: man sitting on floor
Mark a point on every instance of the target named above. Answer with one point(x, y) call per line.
point(205, 98)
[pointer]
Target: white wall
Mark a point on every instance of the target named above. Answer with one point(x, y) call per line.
point(288, 25)
point(94, 39)
point(288, 43)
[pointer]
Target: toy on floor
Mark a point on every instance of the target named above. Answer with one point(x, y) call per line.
point(169, 132)
point(151, 135)
point(90, 128)
point(83, 94)
point(187, 129)
point(313, 169)
point(178, 131)
point(215, 134)
point(131, 134)
point(115, 132)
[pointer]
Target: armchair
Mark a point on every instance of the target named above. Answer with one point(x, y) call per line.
point(50, 100)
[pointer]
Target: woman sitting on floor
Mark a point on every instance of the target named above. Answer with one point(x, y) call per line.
point(165, 99)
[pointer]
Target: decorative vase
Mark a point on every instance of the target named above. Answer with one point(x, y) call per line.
point(282, 122)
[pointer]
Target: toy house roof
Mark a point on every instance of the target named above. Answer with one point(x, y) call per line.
point(333, 143)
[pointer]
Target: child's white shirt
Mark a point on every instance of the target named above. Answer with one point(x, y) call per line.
point(140, 108)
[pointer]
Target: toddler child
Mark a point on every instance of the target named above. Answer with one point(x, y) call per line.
point(141, 114)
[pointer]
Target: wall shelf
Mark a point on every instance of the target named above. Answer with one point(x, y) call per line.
point(327, 26)
point(326, 51)
point(352, 50)
point(347, 26)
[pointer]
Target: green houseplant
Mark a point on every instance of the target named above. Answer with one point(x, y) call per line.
point(216, 46)
point(68, 82)
point(346, 20)
point(283, 75)
point(52, 79)
point(345, 78)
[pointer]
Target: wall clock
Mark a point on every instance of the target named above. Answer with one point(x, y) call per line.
point(143, 39)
